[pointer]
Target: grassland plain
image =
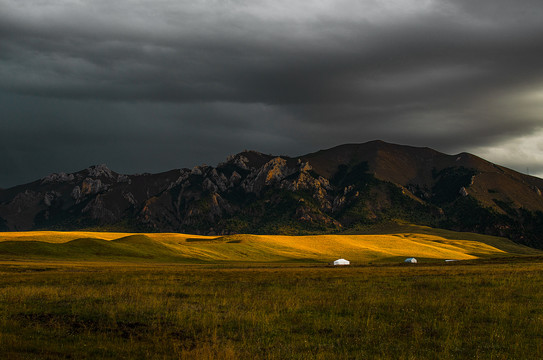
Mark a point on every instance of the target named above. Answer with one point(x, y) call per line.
point(172, 296)
point(465, 310)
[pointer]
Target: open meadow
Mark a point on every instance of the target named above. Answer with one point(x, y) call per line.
point(196, 297)
point(490, 310)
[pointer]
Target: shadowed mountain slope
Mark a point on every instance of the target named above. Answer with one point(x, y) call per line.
point(350, 187)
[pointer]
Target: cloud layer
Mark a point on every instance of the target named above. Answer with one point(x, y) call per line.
point(153, 85)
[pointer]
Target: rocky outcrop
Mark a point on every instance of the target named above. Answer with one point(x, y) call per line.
point(50, 197)
point(234, 180)
point(319, 187)
point(121, 178)
point(271, 173)
point(130, 198)
point(60, 177)
point(238, 160)
point(100, 171)
point(76, 194)
point(97, 210)
point(92, 186)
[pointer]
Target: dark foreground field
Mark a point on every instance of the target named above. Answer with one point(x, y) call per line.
point(491, 310)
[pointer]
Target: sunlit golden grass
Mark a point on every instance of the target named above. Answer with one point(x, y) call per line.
point(58, 236)
point(408, 241)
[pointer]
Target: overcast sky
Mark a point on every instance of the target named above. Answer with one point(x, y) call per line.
point(147, 85)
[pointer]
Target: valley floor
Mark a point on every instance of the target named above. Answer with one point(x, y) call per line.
point(485, 309)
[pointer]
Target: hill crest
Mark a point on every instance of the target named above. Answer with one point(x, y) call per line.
point(394, 245)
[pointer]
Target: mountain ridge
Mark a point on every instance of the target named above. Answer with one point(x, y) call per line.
point(343, 188)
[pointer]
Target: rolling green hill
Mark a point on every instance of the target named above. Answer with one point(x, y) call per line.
point(131, 248)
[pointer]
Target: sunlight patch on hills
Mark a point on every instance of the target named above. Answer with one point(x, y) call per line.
point(405, 241)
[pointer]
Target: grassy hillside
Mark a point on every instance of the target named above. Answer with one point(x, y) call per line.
point(385, 244)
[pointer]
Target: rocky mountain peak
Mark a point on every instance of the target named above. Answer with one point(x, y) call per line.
point(247, 160)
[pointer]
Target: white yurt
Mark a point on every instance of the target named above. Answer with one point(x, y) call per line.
point(411, 260)
point(342, 262)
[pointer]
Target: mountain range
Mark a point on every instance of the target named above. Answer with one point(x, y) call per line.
point(352, 188)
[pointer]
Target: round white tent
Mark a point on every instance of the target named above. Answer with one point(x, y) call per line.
point(411, 260)
point(342, 262)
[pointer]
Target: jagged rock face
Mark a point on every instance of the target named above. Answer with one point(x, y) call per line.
point(272, 172)
point(50, 197)
point(341, 188)
point(238, 160)
point(319, 187)
point(100, 171)
point(235, 179)
point(92, 186)
point(60, 177)
point(76, 194)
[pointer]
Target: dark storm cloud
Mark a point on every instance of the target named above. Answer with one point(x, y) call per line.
point(193, 81)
